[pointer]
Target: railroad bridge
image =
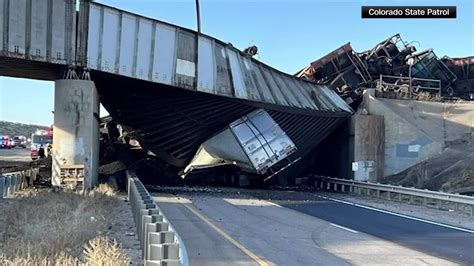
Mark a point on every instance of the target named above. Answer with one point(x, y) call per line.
point(178, 90)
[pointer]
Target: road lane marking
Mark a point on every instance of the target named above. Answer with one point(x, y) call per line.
point(247, 252)
point(344, 228)
point(399, 215)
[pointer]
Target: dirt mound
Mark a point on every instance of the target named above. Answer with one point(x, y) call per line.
point(18, 129)
point(451, 171)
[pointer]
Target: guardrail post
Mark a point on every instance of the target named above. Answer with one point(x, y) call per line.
point(146, 219)
point(161, 237)
point(19, 176)
point(163, 252)
point(23, 174)
point(2, 187)
point(8, 185)
point(12, 184)
point(162, 263)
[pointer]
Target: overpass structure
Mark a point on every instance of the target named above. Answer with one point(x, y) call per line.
point(174, 88)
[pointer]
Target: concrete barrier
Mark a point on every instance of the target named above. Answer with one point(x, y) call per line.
point(16, 181)
point(159, 241)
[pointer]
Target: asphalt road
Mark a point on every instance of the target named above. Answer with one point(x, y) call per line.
point(15, 154)
point(451, 244)
point(238, 230)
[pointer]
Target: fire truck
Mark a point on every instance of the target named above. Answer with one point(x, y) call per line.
point(40, 139)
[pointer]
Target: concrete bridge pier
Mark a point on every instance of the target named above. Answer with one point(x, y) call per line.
point(76, 129)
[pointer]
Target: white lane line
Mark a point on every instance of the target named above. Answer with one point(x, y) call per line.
point(400, 215)
point(344, 228)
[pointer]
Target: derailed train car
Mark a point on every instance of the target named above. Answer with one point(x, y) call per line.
point(463, 68)
point(347, 71)
point(198, 104)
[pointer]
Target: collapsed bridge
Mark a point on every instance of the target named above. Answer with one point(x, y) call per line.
point(191, 100)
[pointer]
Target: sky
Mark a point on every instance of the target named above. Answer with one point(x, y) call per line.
point(289, 35)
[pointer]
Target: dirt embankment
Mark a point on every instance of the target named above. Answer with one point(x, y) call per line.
point(450, 171)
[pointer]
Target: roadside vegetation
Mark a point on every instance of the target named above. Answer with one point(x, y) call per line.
point(65, 228)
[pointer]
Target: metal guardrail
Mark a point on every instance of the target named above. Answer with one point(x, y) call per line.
point(16, 181)
point(159, 241)
point(410, 84)
point(412, 195)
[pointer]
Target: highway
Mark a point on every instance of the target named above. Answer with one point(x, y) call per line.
point(291, 229)
point(15, 154)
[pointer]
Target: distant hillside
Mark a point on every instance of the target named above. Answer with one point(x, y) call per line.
point(18, 129)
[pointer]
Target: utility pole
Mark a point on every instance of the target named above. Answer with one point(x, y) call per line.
point(410, 61)
point(198, 15)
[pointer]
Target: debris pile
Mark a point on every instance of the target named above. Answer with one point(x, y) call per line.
point(393, 65)
point(450, 171)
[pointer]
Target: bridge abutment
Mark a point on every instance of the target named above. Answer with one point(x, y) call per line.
point(76, 130)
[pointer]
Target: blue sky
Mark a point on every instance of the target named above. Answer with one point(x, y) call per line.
point(288, 33)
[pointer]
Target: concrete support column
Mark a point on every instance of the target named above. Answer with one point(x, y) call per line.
point(76, 129)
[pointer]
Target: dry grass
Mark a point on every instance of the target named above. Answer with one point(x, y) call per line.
point(102, 251)
point(55, 228)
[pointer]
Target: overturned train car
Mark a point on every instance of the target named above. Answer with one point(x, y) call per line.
point(199, 104)
point(347, 71)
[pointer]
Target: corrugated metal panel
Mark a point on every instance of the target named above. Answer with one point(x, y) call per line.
point(223, 86)
point(205, 65)
point(144, 53)
point(93, 40)
point(262, 87)
point(240, 91)
point(185, 73)
point(127, 44)
point(163, 61)
point(16, 27)
point(287, 92)
point(59, 50)
point(331, 97)
point(322, 98)
point(246, 67)
point(338, 100)
point(278, 96)
point(39, 24)
point(39, 30)
point(301, 93)
point(160, 52)
point(110, 38)
point(315, 96)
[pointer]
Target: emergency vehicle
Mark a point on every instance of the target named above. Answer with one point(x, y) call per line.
point(40, 139)
point(5, 142)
